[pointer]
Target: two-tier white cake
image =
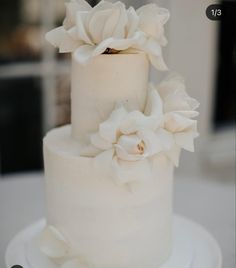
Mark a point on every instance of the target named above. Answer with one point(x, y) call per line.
point(109, 174)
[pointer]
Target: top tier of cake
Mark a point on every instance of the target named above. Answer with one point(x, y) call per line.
point(105, 81)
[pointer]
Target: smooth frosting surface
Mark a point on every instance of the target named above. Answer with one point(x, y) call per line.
point(102, 83)
point(106, 225)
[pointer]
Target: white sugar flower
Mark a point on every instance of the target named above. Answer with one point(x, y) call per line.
point(111, 28)
point(89, 32)
point(178, 109)
point(53, 244)
point(127, 140)
point(152, 21)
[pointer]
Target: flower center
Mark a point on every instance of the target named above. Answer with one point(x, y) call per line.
point(141, 147)
point(111, 51)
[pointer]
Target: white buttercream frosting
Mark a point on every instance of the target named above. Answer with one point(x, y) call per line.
point(89, 32)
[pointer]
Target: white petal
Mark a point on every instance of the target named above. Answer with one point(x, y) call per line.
point(152, 142)
point(154, 104)
point(153, 47)
point(136, 120)
point(174, 155)
point(108, 130)
point(104, 159)
point(81, 18)
point(52, 243)
point(166, 138)
point(133, 22)
point(174, 122)
point(130, 143)
point(128, 171)
point(71, 9)
point(119, 31)
point(122, 154)
point(158, 62)
point(99, 142)
point(84, 53)
point(189, 114)
point(194, 104)
point(118, 44)
point(110, 24)
point(90, 151)
point(185, 140)
point(152, 20)
point(62, 40)
point(97, 24)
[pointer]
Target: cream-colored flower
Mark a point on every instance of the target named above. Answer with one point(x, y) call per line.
point(89, 32)
point(128, 139)
point(111, 28)
point(178, 109)
point(52, 243)
point(152, 21)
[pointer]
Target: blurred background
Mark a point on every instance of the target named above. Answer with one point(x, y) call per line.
point(35, 80)
point(35, 84)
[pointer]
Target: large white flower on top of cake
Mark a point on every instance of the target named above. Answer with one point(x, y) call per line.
point(111, 28)
point(92, 31)
point(127, 141)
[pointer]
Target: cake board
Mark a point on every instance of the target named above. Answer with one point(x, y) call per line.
point(193, 247)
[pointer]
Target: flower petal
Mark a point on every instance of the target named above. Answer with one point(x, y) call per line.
point(185, 140)
point(99, 142)
point(152, 20)
point(71, 9)
point(119, 31)
point(128, 171)
point(189, 114)
point(133, 22)
point(154, 106)
point(81, 18)
point(158, 62)
point(166, 138)
point(52, 243)
point(97, 24)
point(174, 154)
point(104, 158)
point(90, 151)
point(174, 122)
point(124, 155)
point(84, 53)
point(136, 120)
point(170, 85)
point(61, 39)
point(108, 130)
point(152, 143)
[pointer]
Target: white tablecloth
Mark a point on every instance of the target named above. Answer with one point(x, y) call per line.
point(209, 202)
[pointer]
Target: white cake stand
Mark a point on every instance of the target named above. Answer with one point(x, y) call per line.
point(193, 247)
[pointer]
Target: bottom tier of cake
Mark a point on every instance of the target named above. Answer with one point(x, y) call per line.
point(106, 225)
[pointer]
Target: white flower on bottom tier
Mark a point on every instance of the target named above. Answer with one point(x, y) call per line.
point(129, 140)
point(54, 245)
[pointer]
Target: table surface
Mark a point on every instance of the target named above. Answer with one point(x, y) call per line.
point(207, 201)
